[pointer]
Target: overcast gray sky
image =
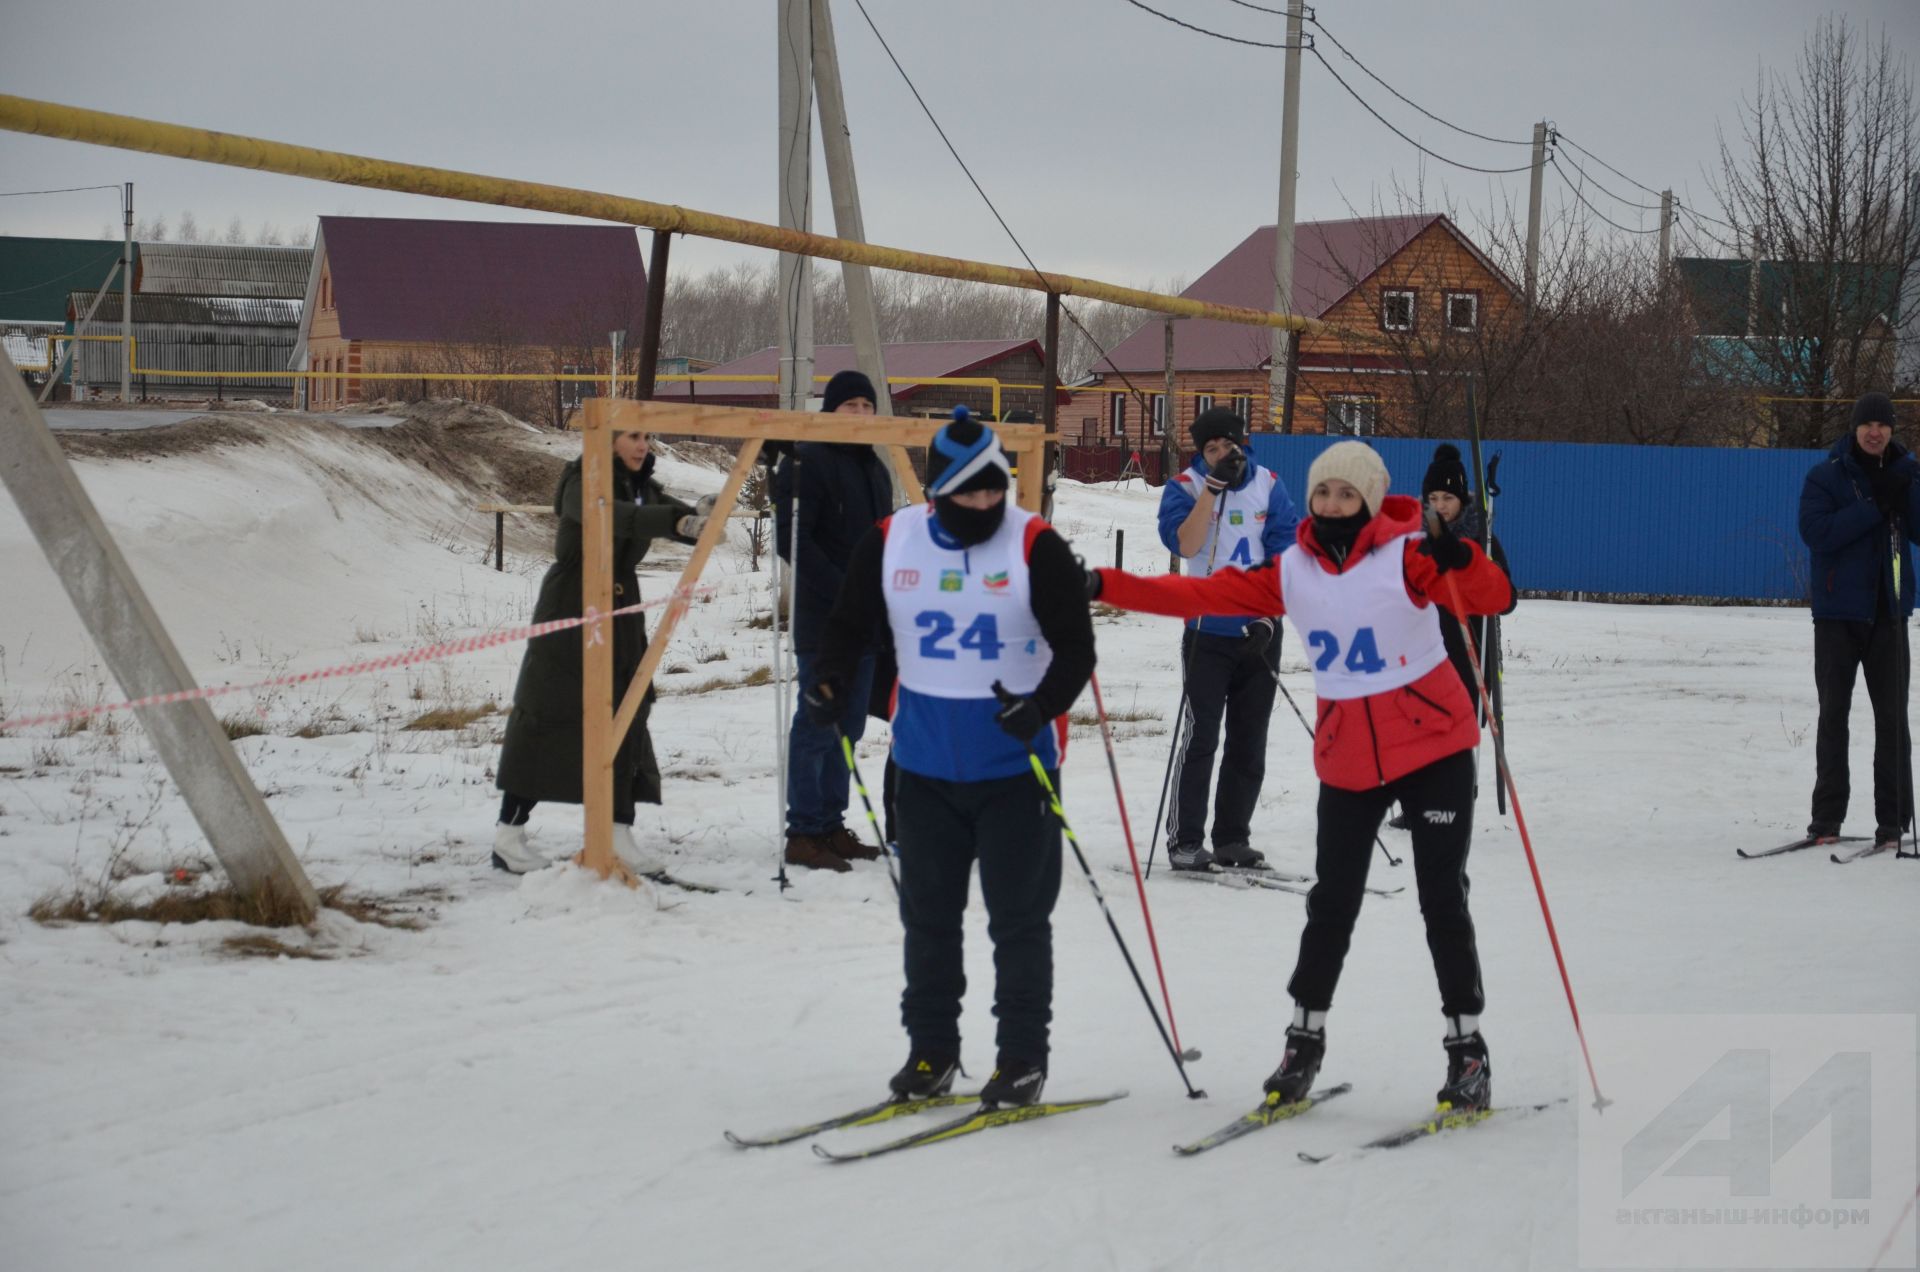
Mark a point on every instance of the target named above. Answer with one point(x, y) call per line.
point(1117, 145)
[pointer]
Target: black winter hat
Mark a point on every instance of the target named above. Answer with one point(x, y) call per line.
point(844, 387)
point(1873, 408)
point(1445, 473)
point(1219, 421)
point(965, 455)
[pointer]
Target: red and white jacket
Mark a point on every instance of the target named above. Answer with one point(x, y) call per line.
point(1423, 713)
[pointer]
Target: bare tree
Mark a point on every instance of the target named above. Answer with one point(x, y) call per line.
point(189, 231)
point(236, 232)
point(1819, 195)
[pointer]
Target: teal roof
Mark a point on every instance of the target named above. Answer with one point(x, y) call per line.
point(36, 274)
point(1718, 289)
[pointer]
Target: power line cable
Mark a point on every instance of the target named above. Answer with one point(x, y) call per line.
point(1261, 8)
point(1040, 273)
point(1319, 57)
point(14, 194)
point(1588, 178)
point(1571, 185)
point(1231, 39)
point(1315, 19)
point(1604, 164)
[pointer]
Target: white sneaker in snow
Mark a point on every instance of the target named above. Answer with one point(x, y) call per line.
point(632, 856)
point(510, 850)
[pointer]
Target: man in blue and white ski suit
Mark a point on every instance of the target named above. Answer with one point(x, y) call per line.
point(986, 610)
point(1223, 511)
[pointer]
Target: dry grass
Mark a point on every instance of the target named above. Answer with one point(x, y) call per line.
point(759, 622)
point(714, 656)
point(1129, 715)
point(262, 908)
point(238, 727)
point(445, 718)
point(261, 945)
point(1102, 610)
point(761, 675)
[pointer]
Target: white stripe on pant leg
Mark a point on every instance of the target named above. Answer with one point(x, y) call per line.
point(1183, 740)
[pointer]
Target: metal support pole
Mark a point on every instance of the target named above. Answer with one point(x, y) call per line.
point(1167, 470)
point(126, 297)
point(1533, 210)
point(1119, 549)
point(1279, 363)
point(135, 646)
point(656, 313)
point(499, 542)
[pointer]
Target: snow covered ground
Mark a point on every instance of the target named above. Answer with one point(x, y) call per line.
point(539, 1075)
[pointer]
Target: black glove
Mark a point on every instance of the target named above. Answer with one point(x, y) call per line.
point(1258, 636)
point(1890, 484)
point(1226, 474)
point(1448, 550)
point(1090, 581)
point(824, 703)
point(1019, 715)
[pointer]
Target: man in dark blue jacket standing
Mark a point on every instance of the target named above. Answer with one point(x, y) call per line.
point(1223, 511)
point(827, 495)
point(1859, 509)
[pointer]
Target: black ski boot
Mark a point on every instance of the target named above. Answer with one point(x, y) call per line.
point(926, 1073)
point(1240, 856)
point(1469, 1074)
point(1306, 1048)
point(1014, 1084)
point(1189, 857)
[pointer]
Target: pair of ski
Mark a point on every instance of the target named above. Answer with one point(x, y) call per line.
point(1840, 856)
point(1274, 880)
point(981, 1117)
point(1443, 1119)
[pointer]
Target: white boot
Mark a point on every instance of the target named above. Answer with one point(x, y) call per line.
point(632, 855)
point(510, 850)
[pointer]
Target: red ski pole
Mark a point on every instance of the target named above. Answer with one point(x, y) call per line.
point(1126, 829)
point(1600, 1102)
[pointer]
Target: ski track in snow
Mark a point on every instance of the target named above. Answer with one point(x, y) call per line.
point(541, 1074)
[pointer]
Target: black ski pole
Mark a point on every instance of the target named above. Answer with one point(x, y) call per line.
point(1180, 712)
point(859, 784)
point(1298, 715)
point(1053, 801)
point(1909, 823)
point(1486, 546)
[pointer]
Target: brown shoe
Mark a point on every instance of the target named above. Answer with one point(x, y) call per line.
point(813, 852)
point(845, 843)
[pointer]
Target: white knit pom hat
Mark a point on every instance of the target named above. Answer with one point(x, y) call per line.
point(1355, 463)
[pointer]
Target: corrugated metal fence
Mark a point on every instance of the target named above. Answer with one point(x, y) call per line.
point(1624, 520)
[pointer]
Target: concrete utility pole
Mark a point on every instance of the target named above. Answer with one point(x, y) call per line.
point(1279, 361)
point(1533, 209)
point(1167, 456)
point(796, 202)
point(141, 656)
point(1666, 231)
point(836, 139)
point(126, 298)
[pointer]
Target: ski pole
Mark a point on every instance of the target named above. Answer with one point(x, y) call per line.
point(1908, 823)
point(1600, 1102)
point(1297, 714)
point(859, 784)
point(1180, 726)
point(1126, 829)
point(1180, 1058)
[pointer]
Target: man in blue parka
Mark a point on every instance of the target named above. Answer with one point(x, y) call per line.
point(1223, 511)
point(1859, 510)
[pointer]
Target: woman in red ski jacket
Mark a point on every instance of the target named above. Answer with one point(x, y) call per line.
point(1362, 584)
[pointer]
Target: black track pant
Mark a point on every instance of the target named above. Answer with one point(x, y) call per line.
point(1439, 804)
point(1005, 825)
point(1840, 650)
point(1222, 682)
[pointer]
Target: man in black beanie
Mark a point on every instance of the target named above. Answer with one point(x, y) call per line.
point(987, 613)
point(826, 495)
point(1224, 510)
point(1859, 510)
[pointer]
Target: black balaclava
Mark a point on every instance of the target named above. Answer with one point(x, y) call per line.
point(966, 443)
point(1337, 535)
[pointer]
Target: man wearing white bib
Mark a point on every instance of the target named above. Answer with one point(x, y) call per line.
point(982, 602)
point(1361, 584)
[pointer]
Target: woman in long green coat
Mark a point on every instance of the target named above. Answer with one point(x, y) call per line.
point(541, 756)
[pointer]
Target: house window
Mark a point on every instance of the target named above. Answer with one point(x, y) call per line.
point(1120, 415)
point(574, 392)
point(1353, 415)
point(1202, 404)
point(1158, 406)
point(1396, 310)
point(1463, 311)
point(1243, 407)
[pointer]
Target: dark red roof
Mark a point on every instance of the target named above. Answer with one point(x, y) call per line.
point(920, 358)
point(1330, 259)
point(414, 280)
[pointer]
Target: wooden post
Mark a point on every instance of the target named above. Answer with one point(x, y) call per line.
point(499, 542)
point(683, 591)
point(596, 598)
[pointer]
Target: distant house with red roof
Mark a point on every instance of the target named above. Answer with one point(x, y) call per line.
point(1016, 364)
point(1396, 292)
point(399, 295)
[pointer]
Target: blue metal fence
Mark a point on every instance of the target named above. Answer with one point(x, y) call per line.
point(1631, 520)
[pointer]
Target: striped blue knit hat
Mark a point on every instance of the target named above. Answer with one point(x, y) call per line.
point(966, 455)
